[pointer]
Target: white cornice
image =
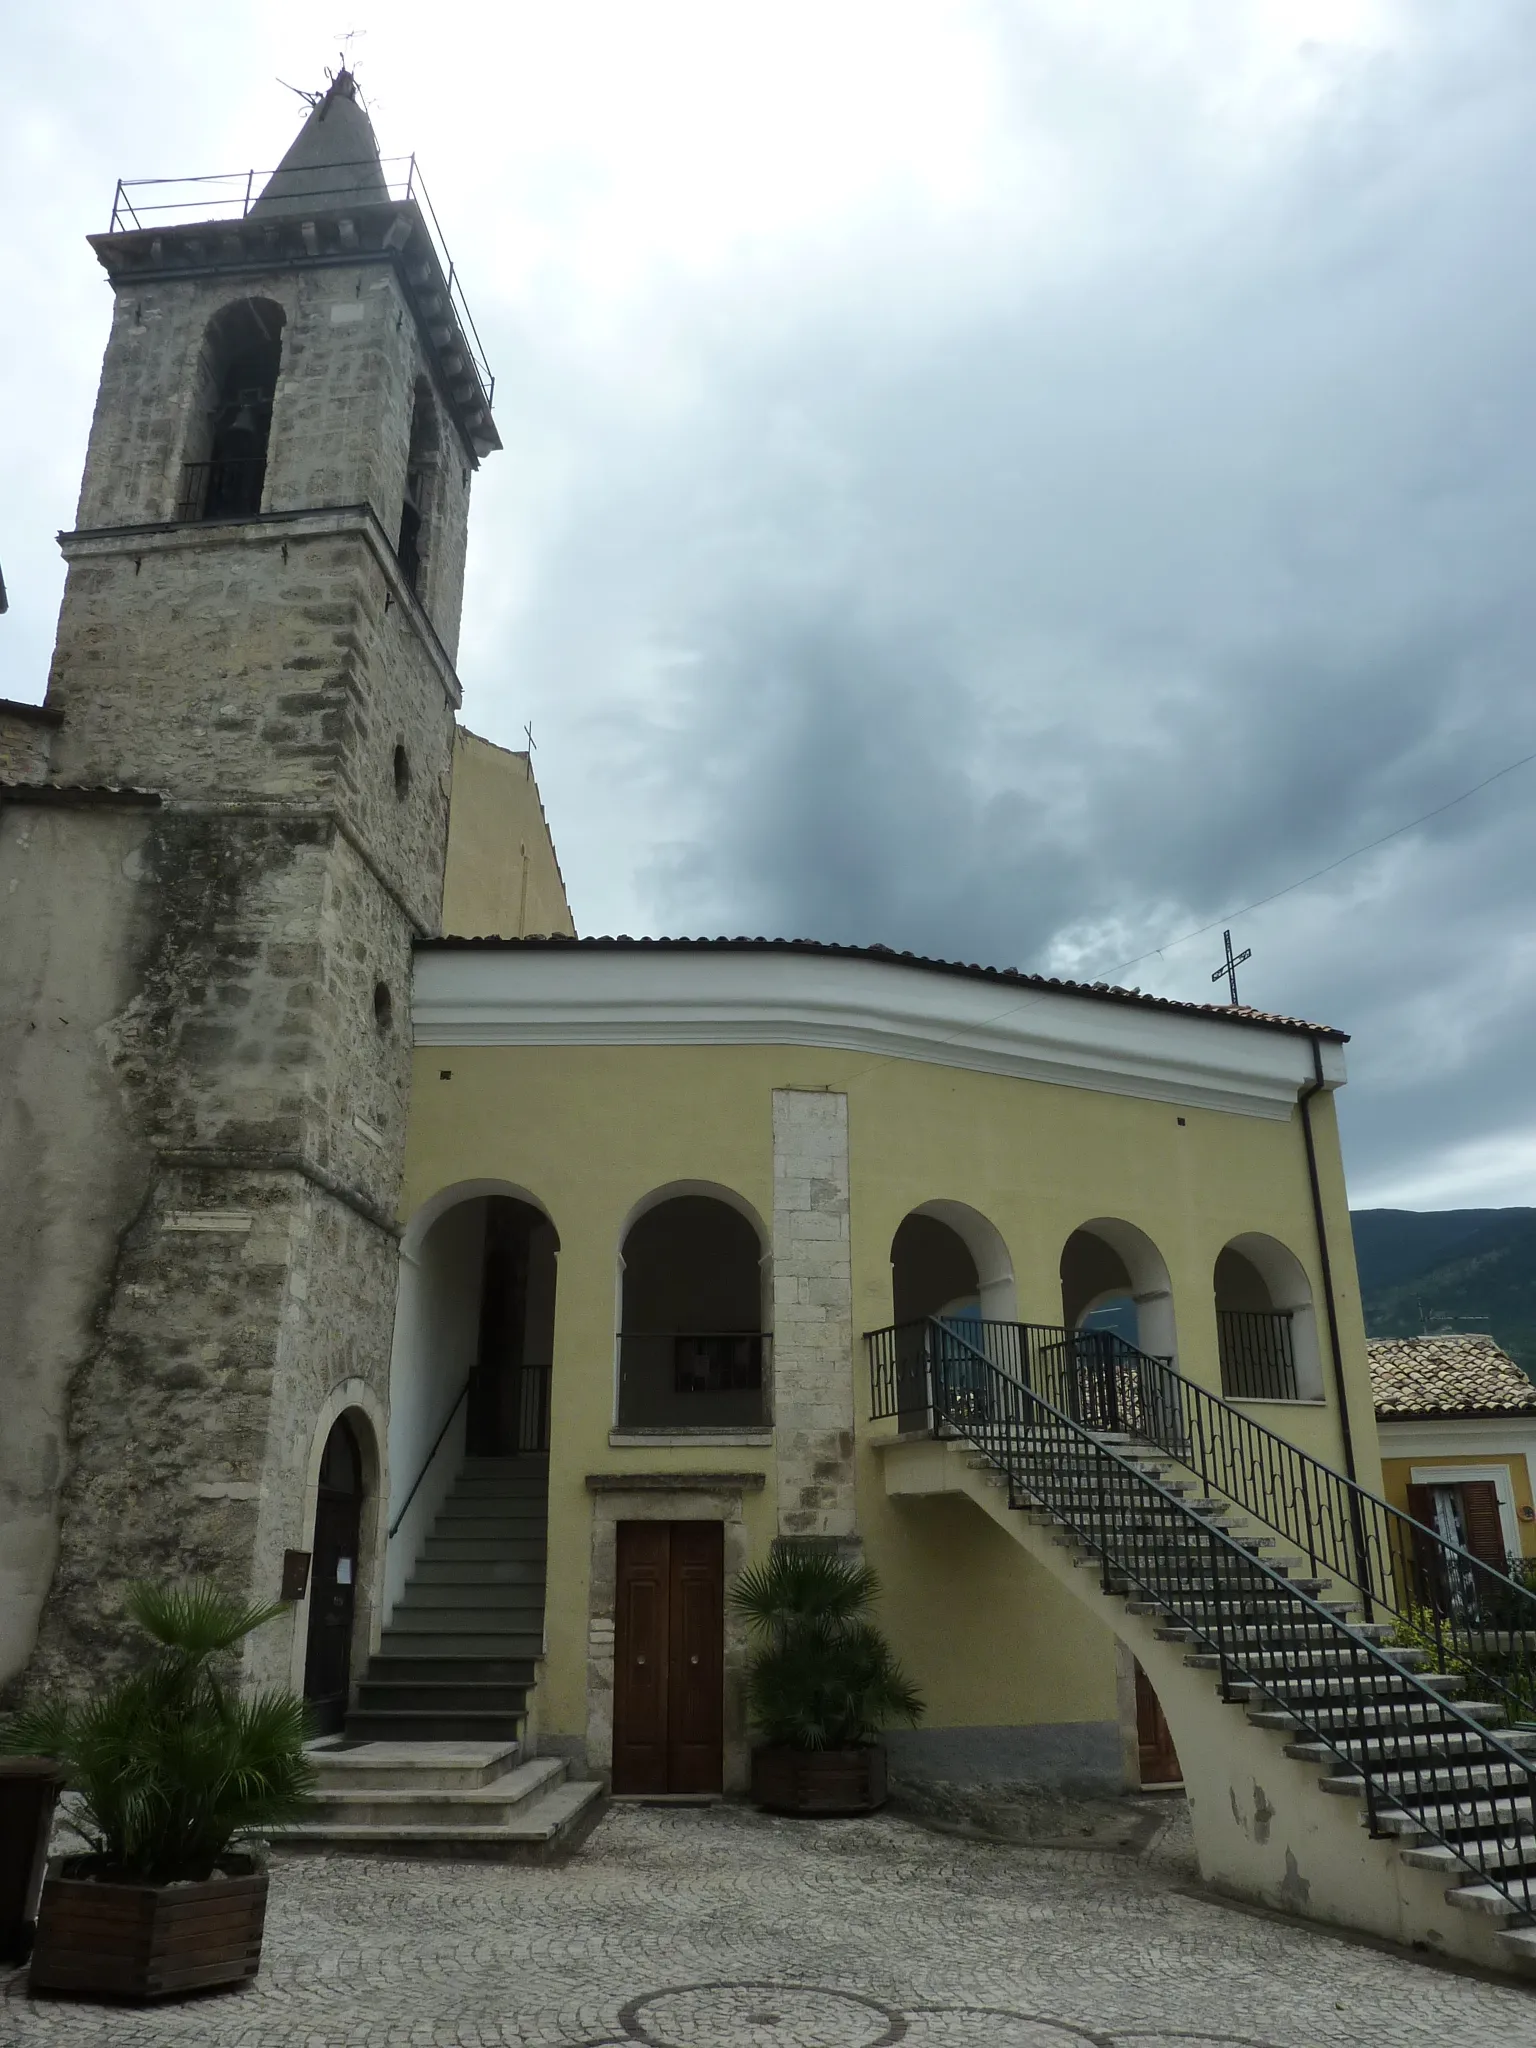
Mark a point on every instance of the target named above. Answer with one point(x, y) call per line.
point(560, 997)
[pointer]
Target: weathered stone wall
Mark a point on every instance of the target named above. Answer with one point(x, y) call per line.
point(223, 1294)
point(341, 417)
point(235, 662)
point(74, 1167)
point(26, 741)
point(812, 1314)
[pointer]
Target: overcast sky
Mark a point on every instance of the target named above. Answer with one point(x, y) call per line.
point(1014, 481)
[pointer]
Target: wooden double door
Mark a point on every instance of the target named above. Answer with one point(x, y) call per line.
point(669, 1637)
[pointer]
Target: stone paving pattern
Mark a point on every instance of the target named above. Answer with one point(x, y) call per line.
point(700, 1928)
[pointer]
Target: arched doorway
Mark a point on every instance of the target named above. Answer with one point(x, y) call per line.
point(508, 1400)
point(692, 1342)
point(1115, 1293)
point(333, 1577)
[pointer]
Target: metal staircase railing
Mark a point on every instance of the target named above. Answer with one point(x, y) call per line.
point(1456, 1777)
point(1471, 1617)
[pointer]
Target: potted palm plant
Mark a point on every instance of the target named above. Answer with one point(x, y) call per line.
point(821, 1683)
point(173, 1765)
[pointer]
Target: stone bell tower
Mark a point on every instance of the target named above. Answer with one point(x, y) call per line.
point(210, 890)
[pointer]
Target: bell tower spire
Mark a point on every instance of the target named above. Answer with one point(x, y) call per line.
point(207, 909)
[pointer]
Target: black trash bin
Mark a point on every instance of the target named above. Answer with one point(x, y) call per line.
point(29, 1787)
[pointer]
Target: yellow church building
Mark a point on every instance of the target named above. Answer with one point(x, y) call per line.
point(493, 1296)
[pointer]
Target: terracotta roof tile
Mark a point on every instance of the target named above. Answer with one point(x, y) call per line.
point(1446, 1375)
point(1012, 977)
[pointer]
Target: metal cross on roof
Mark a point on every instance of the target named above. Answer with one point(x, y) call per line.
point(1231, 965)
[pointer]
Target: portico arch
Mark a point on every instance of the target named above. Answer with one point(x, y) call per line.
point(1107, 1261)
point(471, 1364)
point(1266, 1324)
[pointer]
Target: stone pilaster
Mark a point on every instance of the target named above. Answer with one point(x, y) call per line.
point(812, 1314)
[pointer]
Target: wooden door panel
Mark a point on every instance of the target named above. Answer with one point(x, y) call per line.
point(695, 1733)
point(640, 1689)
point(1159, 1758)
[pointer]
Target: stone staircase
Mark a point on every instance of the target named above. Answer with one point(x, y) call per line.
point(1451, 1813)
point(432, 1761)
point(456, 1661)
point(445, 1799)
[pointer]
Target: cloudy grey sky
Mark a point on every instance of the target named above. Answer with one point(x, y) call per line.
point(1013, 480)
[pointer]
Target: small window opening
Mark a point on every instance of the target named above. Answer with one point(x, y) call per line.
point(402, 773)
point(383, 1005)
point(227, 474)
point(412, 546)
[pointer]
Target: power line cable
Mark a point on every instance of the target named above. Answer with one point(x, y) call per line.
point(1231, 916)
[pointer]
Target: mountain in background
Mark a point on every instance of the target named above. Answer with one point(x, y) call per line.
point(1450, 1269)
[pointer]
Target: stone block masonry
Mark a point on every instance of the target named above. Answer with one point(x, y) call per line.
point(812, 1314)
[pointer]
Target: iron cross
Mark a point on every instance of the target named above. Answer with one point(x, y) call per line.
point(1232, 964)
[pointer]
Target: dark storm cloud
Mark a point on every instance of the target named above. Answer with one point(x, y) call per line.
point(1035, 610)
point(1094, 520)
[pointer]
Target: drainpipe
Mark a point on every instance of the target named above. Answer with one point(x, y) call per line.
point(1304, 1102)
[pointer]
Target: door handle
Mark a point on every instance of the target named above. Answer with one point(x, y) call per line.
point(639, 1660)
point(693, 1660)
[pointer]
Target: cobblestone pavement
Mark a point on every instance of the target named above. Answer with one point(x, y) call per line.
point(690, 1928)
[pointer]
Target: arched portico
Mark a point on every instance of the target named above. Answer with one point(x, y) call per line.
point(471, 1365)
point(1266, 1325)
point(1109, 1265)
point(694, 1296)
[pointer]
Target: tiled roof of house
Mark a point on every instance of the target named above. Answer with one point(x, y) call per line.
point(1011, 977)
point(1446, 1375)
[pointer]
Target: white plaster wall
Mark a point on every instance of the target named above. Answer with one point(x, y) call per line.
point(437, 1331)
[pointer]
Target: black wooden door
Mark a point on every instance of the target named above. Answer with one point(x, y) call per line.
point(333, 1580)
point(669, 1621)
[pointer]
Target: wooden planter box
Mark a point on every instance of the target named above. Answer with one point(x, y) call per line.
point(144, 1941)
point(824, 1782)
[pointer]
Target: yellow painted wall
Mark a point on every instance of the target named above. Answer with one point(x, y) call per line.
point(502, 878)
point(588, 1132)
point(1395, 1478)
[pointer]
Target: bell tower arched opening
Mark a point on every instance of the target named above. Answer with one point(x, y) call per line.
point(415, 512)
point(225, 472)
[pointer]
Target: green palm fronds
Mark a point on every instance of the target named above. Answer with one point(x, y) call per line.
point(823, 1676)
point(173, 1762)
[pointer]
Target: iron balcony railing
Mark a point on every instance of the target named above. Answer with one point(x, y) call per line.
point(1258, 1357)
point(140, 203)
point(226, 489)
point(1469, 1615)
point(1456, 1778)
point(692, 1379)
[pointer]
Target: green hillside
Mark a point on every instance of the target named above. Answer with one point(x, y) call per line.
point(1450, 1269)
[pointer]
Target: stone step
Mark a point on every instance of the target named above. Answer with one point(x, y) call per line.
point(1490, 1852)
point(1302, 1658)
point(503, 1632)
point(493, 1802)
point(477, 1549)
point(1426, 1746)
point(544, 1827)
point(425, 1766)
point(1495, 1903)
point(442, 1596)
point(1458, 1819)
point(1520, 1942)
point(1416, 1713)
point(367, 1724)
point(387, 1696)
point(1492, 1778)
point(436, 1668)
point(495, 1571)
point(1334, 1692)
